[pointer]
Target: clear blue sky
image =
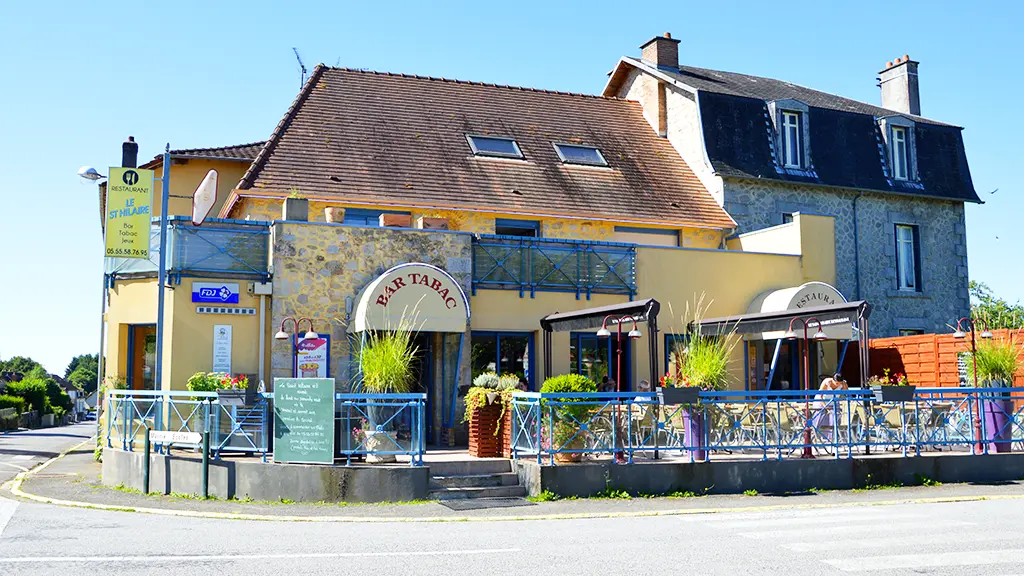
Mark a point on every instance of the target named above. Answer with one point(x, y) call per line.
point(78, 79)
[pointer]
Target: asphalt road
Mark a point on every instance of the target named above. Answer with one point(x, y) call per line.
point(981, 537)
point(20, 451)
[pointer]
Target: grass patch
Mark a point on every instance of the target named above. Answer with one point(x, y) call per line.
point(750, 492)
point(612, 494)
point(922, 480)
point(184, 496)
point(545, 496)
point(870, 485)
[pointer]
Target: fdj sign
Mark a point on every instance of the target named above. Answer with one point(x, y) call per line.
point(129, 196)
point(215, 292)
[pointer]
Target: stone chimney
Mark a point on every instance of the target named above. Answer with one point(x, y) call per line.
point(899, 86)
point(130, 153)
point(663, 52)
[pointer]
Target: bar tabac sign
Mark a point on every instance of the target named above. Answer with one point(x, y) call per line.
point(129, 202)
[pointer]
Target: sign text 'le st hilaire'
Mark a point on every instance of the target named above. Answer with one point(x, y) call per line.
point(128, 214)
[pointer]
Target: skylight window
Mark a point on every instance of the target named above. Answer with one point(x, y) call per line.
point(576, 154)
point(494, 146)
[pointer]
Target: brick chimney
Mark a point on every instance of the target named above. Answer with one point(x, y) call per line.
point(130, 153)
point(899, 86)
point(662, 51)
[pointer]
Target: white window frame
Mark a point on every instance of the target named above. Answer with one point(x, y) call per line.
point(791, 144)
point(906, 269)
point(900, 158)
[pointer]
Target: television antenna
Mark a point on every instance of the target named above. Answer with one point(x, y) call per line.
point(301, 66)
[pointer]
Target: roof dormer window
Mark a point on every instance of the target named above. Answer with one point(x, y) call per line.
point(900, 163)
point(578, 154)
point(791, 141)
point(494, 146)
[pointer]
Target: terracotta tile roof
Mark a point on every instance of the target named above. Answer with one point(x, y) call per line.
point(240, 152)
point(396, 139)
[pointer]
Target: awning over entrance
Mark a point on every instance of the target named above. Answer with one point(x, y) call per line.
point(427, 297)
point(800, 298)
point(845, 314)
point(592, 319)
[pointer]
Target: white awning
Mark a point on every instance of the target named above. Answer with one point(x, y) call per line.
point(809, 295)
point(425, 297)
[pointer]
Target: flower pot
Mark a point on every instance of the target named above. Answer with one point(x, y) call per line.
point(428, 223)
point(485, 437)
point(334, 214)
point(894, 393)
point(507, 433)
point(568, 458)
point(377, 442)
point(295, 209)
point(230, 397)
point(694, 424)
point(682, 395)
point(998, 428)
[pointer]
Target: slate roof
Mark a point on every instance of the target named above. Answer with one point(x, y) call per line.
point(393, 139)
point(844, 142)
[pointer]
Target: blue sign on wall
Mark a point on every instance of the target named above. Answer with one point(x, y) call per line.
point(215, 292)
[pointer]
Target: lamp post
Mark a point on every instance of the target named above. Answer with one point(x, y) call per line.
point(818, 336)
point(960, 334)
point(632, 335)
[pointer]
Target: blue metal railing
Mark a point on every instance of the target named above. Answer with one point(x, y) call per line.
point(546, 265)
point(219, 246)
point(371, 426)
point(766, 424)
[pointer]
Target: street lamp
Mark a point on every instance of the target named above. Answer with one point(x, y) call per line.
point(959, 334)
point(818, 336)
point(282, 335)
point(90, 173)
point(632, 335)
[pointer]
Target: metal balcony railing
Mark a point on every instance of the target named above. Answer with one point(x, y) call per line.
point(219, 246)
point(538, 264)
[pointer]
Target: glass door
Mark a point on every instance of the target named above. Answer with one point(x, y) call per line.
point(141, 367)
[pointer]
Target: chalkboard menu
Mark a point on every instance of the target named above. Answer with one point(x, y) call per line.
point(304, 420)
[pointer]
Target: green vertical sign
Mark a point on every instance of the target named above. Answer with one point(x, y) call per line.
point(304, 420)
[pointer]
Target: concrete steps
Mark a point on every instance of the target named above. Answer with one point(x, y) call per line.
point(474, 479)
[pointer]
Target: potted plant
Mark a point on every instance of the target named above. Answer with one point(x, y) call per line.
point(702, 364)
point(565, 437)
point(334, 214)
point(487, 403)
point(892, 387)
point(998, 364)
point(386, 361)
point(676, 390)
point(234, 391)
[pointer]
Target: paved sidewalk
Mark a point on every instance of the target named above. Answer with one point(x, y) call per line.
point(76, 477)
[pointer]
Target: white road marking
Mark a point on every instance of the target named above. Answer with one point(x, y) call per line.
point(7, 508)
point(931, 559)
point(243, 557)
point(15, 466)
point(853, 528)
point(909, 540)
point(812, 519)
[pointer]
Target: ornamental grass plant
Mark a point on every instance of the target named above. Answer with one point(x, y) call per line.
point(998, 363)
point(704, 358)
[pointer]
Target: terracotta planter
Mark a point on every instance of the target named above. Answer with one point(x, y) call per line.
point(568, 458)
point(485, 437)
point(427, 223)
point(334, 214)
point(506, 433)
point(396, 220)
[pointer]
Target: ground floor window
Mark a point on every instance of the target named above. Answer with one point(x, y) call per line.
point(596, 357)
point(504, 353)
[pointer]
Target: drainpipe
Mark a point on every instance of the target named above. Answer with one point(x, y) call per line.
point(856, 246)
point(263, 336)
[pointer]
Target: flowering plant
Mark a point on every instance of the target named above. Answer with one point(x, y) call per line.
point(240, 382)
point(888, 379)
point(670, 381)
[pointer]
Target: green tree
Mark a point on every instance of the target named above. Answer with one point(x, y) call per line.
point(90, 361)
point(82, 370)
point(20, 364)
point(995, 312)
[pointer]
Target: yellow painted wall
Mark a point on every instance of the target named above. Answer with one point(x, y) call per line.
point(781, 239)
point(186, 177)
point(128, 302)
point(817, 247)
point(268, 209)
point(189, 343)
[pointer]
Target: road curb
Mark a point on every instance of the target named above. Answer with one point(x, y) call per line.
point(15, 488)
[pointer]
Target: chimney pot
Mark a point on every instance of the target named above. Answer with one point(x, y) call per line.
point(900, 91)
point(897, 60)
point(130, 153)
point(662, 51)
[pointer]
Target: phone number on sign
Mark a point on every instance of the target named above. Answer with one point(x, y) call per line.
point(127, 252)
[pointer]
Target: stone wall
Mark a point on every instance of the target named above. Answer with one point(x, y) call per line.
point(944, 298)
point(319, 270)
